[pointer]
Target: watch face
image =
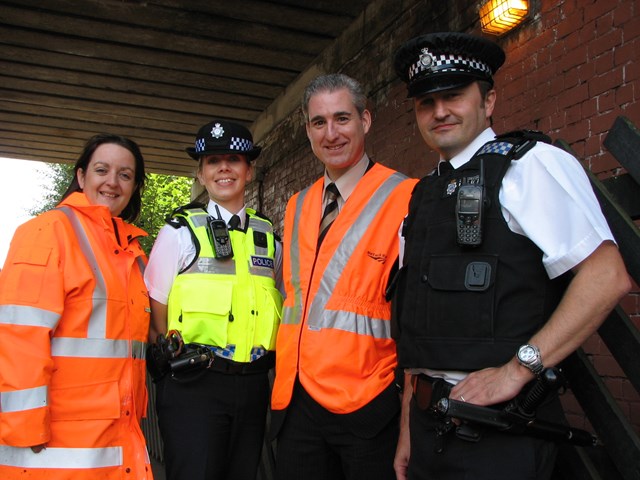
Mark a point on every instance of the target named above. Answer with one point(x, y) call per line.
point(527, 354)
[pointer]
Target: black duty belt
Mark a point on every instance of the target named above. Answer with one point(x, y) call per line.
point(427, 390)
point(261, 365)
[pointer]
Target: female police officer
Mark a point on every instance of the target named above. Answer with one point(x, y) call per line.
point(212, 277)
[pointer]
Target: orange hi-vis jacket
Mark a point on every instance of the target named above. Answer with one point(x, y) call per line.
point(335, 332)
point(74, 316)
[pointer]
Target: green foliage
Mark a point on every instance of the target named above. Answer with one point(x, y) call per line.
point(161, 194)
point(60, 175)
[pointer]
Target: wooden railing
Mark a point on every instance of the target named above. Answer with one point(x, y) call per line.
point(618, 457)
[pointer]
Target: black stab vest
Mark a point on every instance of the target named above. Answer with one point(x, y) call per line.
point(467, 308)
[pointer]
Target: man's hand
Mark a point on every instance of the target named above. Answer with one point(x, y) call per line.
point(492, 385)
point(403, 452)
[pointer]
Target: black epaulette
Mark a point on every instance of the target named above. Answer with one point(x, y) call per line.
point(176, 217)
point(522, 140)
point(263, 216)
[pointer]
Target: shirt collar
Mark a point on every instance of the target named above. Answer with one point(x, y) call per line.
point(347, 182)
point(226, 214)
point(465, 155)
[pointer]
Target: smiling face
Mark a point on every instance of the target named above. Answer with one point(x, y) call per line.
point(450, 120)
point(336, 130)
point(109, 178)
point(225, 176)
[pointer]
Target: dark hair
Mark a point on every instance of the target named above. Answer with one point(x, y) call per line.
point(132, 210)
point(331, 83)
point(484, 88)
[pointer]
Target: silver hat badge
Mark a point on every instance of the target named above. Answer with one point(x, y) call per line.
point(426, 58)
point(217, 131)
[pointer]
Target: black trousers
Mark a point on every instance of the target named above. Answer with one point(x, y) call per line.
point(213, 425)
point(315, 444)
point(496, 456)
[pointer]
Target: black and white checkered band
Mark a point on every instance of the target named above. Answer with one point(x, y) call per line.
point(447, 63)
point(200, 144)
point(241, 144)
point(501, 148)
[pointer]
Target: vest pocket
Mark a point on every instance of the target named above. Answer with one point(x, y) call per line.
point(460, 297)
point(85, 402)
point(206, 315)
point(269, 313)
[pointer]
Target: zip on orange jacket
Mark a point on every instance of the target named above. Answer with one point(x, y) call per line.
point(335, 332)
point(74, 316)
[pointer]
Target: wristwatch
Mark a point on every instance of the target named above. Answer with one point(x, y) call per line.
point(529, 356)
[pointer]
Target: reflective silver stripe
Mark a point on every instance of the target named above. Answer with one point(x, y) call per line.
point(98, 319)
point(318, 317)
point(141, 265)
point(28, 316)
point(289, 316)
point(197, 216)
point(61, 458)
point(260, 225)
point(354, 323)
point(20, 400)
point(89, 347)
point(97, 348)
point(213, 265)
point(138, 349)
point(262, 272)
point(293, 315)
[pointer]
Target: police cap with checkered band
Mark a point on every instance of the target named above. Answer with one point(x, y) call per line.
point(223, 137)
point(441, 61)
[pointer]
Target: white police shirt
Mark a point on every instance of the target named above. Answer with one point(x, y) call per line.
point(547, 197)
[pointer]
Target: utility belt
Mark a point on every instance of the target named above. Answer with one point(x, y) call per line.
point(519, 416)
point(427, 390)
point(170, 355)
point(261, 365)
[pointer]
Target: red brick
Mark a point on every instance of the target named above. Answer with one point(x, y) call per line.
point(622, 13)
point(574, 96)
point(597, 10)
point(605, 82)
point(607, 366)
point(573, 58)
point(604, 63)
point(604, 43)
point(624, 94)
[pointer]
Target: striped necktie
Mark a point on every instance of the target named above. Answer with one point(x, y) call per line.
point(330, 211)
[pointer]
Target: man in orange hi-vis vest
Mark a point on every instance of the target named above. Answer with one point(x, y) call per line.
point(335, 402)
point(74, 318)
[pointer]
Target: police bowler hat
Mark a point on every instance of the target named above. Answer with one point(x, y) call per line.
point(222, 137)
point(441, 61)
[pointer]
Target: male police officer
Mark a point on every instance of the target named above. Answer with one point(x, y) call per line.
point(485, 302)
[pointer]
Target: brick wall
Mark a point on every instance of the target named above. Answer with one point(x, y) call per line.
point(570, 71)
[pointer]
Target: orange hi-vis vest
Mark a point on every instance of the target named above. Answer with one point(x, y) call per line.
point(74, 317)
point(335, 333)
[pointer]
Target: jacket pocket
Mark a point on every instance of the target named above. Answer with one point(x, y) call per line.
point(85, 402)
point(205, 316)
point(461, 295)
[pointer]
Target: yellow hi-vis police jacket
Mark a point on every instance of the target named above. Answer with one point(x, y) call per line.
point(230, 301)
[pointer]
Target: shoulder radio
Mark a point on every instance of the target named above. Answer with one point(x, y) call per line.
point(469, 212)
point(219, 236)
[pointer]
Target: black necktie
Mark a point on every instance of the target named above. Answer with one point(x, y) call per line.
point(330, 211)
point(234, 222)
point(444, 168)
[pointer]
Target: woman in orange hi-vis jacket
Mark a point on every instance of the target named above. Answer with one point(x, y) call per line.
point(74, 315)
